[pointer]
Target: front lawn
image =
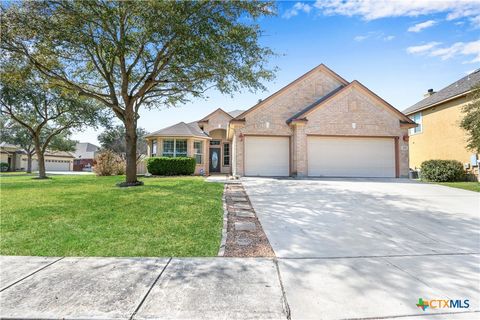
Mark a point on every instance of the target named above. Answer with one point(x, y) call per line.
point(90, 216)
point(472, 186)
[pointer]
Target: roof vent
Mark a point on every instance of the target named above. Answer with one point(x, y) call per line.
point(429, 93)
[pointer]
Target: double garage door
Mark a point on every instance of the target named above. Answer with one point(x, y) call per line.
point(327, 156)
point(53, 165)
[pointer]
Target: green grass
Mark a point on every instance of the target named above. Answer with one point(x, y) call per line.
point(472, 186)
point(90, 216)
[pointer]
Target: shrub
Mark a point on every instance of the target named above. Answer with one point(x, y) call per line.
point(3, 166)
point(108, 163)
point(164, 166)
point(442, 170)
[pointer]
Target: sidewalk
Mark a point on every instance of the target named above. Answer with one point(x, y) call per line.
point(140, 288)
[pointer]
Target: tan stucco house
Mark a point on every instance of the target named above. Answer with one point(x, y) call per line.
point(438, 134)
point(318, 125)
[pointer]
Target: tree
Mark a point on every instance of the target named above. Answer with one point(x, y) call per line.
point(46, 114)
point(113, 138)
point(129, 54)
point(471, 120)
point(14, 133)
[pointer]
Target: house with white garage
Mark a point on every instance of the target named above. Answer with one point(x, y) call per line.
point(319, 125)
point(16, 158)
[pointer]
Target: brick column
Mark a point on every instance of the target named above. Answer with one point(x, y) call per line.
point(299, 149)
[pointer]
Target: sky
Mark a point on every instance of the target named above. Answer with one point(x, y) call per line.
point(398, 49)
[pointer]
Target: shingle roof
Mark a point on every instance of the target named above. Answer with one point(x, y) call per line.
point(457, 88)
point(180, 129)
point(235, 113)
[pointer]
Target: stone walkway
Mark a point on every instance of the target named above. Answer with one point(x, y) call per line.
point(245, 235)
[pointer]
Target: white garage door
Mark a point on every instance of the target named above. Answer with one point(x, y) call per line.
point(53, 165)
point(351, 157)
point(267, 156)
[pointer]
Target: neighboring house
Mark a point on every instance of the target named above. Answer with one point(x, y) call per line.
point(16, 158)
point(318, 125)
point(438, 134)
point(84, 156)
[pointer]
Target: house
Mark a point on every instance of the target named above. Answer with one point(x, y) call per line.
point(318, 125)
point(16, 158)
point(84, 156)
point(438, 134)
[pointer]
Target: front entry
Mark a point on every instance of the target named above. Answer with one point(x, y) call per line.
point(214, 160)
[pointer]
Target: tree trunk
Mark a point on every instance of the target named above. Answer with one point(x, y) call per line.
point(29, 162)
point(40, 159)
point(131, 150)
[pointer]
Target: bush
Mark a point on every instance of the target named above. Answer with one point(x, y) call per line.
point(164, 166)
point(108, 163)
point(3, 166)
point(442, 170)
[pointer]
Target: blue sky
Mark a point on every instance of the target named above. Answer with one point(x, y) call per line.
point(398, 49)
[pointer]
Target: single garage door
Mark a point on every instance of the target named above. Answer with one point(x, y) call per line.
point(266, 156)
point(351, 157)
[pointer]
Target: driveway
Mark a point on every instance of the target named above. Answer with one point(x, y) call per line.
point(359, 248)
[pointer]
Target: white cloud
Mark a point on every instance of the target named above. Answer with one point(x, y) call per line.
point(423, 25)
point(457, 49)
point(378, 35)
point(360, 38)
point(475, 21)
point(376, 9)
point(296, 9)
point(422, 48)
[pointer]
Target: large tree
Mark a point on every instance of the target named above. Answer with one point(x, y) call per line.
point(47, 114)
point(471, 119)
point(129, 54)
point(16, 134)
point(113, 138)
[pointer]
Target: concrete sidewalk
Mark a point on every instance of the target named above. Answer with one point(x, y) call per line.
point(140, 288)
point(234, 288)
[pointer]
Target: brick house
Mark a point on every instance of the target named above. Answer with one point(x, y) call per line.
point(318, 125)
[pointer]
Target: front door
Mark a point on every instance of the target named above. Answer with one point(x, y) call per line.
point(214, 159)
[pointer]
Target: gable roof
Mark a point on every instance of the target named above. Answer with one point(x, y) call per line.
point(335, 93)
point(212, 113)
point(458, 88)
point(291, 84)
point(235, 113)
point(180, 129)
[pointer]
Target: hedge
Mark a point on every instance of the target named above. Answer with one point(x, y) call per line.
point(165, 166)
point(442, 170)
point(3, 166)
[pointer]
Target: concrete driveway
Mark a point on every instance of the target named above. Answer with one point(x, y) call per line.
point(361, 248)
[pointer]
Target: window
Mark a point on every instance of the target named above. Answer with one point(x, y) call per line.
point(198, 151)
point(180, 148)
point(174, 148)
point(226, 154)
point(214, 142)
point(417, 118)
point(168, 148)
point(153, 151)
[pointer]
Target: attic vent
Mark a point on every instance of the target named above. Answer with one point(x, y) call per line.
point(429, 93)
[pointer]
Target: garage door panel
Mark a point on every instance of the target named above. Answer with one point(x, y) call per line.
point(351, 157)
point(267, 156)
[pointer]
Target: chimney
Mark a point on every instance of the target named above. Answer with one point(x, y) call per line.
point(428, 93)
